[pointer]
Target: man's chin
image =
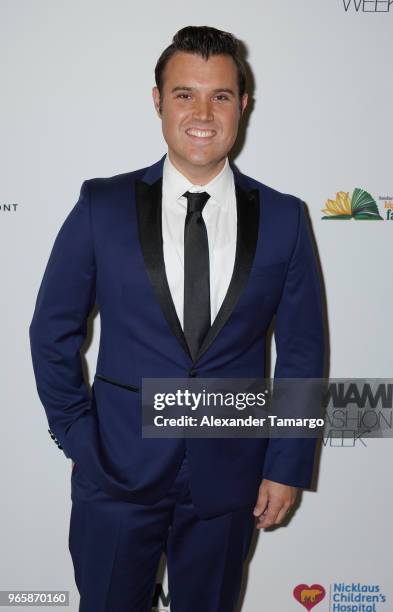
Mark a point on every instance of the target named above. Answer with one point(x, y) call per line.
point(200, 160)
point(195, 159)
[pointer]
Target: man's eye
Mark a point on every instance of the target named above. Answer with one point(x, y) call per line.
point(220, 96)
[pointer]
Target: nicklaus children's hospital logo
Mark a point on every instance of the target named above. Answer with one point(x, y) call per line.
point(309, 596)
point(361, 206)
point(343, 597)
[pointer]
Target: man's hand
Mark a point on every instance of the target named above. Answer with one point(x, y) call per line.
point(274, 501)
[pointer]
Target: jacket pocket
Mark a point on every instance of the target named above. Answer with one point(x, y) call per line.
point(117, 383)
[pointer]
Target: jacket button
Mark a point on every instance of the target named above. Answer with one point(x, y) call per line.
point(193, 372)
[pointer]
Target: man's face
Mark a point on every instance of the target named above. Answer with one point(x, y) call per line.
point(200, 109)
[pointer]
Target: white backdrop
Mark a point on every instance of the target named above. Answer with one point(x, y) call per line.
point(76, 82)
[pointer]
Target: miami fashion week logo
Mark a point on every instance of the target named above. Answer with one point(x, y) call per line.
point(361, 206)
point(368, 6)
point(343, 596)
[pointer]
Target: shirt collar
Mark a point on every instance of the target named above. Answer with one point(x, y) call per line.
point(218, 188)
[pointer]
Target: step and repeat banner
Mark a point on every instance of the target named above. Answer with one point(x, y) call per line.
point(76, 103)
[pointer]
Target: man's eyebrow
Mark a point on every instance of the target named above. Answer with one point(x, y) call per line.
point(218, 89)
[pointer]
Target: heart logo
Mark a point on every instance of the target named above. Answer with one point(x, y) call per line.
point(309, 596)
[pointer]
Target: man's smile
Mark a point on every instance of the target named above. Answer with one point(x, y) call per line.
point(200, 135)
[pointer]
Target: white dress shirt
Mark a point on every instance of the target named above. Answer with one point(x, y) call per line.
point(220, 216)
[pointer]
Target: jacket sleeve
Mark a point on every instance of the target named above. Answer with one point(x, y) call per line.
point(58, 327)
point(299, 337)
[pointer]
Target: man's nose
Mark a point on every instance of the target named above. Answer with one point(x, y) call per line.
point(203, 110)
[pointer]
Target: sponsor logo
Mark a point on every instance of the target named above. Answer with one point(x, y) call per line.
point(368, 6)
point(387, 206)
point(6, 207)
point(361, 206)
point(343, 596)
point(309, 596)
point(354, 596)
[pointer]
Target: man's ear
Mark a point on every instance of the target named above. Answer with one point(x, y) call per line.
point(157, 100)
point(244, 103)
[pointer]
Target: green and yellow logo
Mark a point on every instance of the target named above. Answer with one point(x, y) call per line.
point(361, 206)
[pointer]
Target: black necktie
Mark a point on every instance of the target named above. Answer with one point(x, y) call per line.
point(196, 310)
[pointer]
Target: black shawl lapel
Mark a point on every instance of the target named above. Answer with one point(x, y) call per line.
point(149, 209)
point(149, 206)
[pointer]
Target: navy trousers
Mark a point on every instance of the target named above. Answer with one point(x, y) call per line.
point(116, 549)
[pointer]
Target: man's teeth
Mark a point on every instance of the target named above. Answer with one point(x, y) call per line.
point(200, 133)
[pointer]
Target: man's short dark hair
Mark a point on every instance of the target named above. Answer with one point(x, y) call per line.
point(204, 41)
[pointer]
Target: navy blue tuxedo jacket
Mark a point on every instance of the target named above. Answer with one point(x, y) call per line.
point(109, 252)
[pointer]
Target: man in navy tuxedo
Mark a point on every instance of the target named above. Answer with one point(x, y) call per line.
point(188, 261)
